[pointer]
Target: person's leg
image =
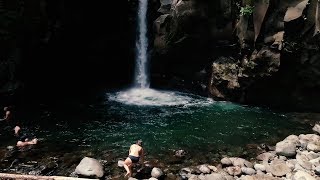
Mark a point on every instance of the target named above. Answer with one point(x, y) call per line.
point(127, 165)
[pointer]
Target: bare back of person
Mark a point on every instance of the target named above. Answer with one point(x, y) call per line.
point(135, 150)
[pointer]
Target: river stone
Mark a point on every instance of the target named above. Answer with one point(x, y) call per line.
point(309, 137)
point(291, 163)
point(313, 147)
point(315, 162)
point(298, 167)
point(193, 177)
point(258, 177)
point(311, 155)
point(234, 170)
point(317, 170)
point(316, 128)
point(156, 173)
point(120, 163)
point(301, 175)
point(152, 178)
point(216, 176)
point(213, 168)
point(204, 169)
point(248, 171)
point(279, 169)
point(241, 162)
point(90, 167)
point(131, 178)
point(259, 167)
point(286, 148)
point(266, 156)
point(226, 161)
point(293, 138)
point(304, 161)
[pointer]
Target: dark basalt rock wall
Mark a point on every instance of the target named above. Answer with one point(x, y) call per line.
point(262, 52)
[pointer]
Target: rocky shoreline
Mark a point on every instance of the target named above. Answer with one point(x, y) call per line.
point(294, 158)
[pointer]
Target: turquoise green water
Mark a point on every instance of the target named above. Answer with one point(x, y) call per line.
point(196, 125)
point(104, 126)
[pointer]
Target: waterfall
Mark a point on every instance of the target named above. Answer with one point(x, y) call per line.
point(141, 75)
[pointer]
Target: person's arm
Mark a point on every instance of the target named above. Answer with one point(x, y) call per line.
point(16, 130)
point(7, 116)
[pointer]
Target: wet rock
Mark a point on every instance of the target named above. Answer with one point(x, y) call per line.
point(152, 178)
point(204, 169)
point(234, 171)
point(316, 128)
point(302, 175)
point(226, 161)
point(286, 148)
point(295, 12)
point(156, 172)
point(259, 167)
point(180, 153)
point(90, 167)
point(248, 171)
point(120, 163)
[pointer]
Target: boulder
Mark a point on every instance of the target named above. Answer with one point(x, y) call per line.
point(90, 167)
point(226, 161)
point(204, 169)
point(120, 163)
point(279, 168)
point(248, 171)
point(286, 148)
point(156, 172)
point(314, 146)
point(266, 156)
point(258, 177)
point(234, 170)
point(316, 128)
point(216, 176)
point(193, 177)
point(241, 162)
point(304, 161)
point(295, 12)
point(299, 175)
point(259, 167)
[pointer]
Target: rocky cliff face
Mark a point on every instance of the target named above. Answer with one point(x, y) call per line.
point(262, 52)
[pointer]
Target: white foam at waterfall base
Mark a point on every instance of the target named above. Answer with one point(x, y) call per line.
point(151, 97)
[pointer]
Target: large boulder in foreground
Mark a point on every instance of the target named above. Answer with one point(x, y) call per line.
point(90, 167)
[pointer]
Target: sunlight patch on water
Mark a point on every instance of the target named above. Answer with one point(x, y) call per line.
point(151, 97)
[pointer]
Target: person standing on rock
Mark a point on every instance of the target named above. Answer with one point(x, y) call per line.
point(135, 154)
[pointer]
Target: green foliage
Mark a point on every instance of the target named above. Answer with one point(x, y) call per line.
point(246, 11)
